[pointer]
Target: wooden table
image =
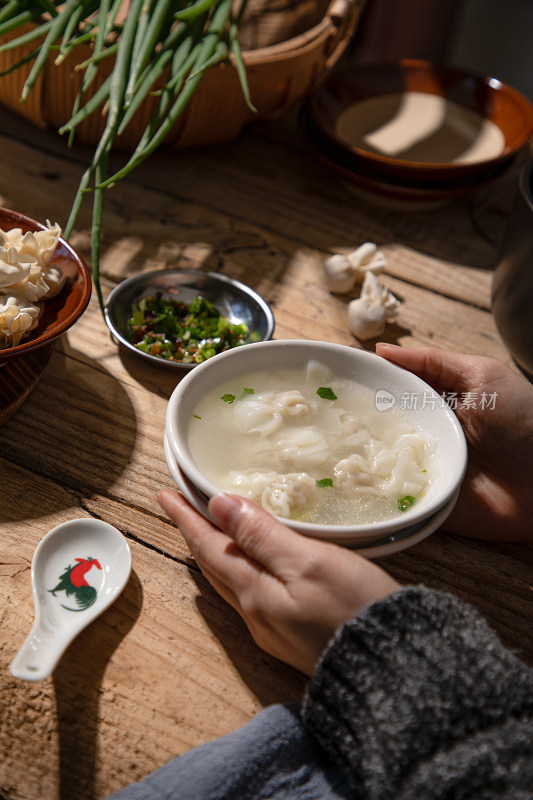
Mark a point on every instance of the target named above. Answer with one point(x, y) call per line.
point(170, 666)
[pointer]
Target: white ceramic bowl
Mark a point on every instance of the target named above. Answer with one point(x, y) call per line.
point(390, 384)
point(380, 547)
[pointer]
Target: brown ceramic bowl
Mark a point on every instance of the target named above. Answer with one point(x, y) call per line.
point(62, 311)
point(409, 193)
point(418, 123)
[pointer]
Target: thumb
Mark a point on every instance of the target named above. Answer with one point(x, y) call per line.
point(443, 370)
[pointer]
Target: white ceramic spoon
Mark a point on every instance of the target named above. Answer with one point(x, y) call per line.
point(78, 569)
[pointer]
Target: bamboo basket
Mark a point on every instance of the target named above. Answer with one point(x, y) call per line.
point(287, 47)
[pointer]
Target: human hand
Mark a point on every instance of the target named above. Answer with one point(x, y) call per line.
point(292, 591)
point(496, 497)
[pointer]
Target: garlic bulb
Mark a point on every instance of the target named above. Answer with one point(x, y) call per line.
point(339, 274)
point(367, 258)
point(376, 306)
point(342, 272)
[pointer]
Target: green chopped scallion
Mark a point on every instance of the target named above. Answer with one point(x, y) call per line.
point(177, 331)
point(162, 48)
point(326, 393)
point(404, 503)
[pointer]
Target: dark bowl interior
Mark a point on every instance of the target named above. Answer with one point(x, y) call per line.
point(233, 299)
point(348, 86)
point(62, 311)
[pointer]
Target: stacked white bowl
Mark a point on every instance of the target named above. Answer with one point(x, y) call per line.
point(388, 382)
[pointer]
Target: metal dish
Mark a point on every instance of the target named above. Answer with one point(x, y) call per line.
point(233, 299)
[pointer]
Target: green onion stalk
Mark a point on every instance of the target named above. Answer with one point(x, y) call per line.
point(162, 49)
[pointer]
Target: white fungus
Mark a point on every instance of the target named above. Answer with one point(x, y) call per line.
point(27, 276)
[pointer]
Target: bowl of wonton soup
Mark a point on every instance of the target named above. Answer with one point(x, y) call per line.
point(336, 442)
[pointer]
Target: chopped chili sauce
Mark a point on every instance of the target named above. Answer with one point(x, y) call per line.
point(186, 332)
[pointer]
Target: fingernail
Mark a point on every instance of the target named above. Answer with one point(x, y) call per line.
point(164, 496)
point(224, 508)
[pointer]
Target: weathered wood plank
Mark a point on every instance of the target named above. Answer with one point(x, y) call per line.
point(157, 674)
point(170, 665)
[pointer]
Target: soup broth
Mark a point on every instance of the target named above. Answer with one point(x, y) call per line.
point(308, 445)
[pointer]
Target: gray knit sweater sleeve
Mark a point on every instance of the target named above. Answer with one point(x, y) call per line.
point(415, 698)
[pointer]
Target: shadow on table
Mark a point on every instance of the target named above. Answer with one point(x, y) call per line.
point(159, 380)
point(78, 684)
point(269, 679)
point(73, 437)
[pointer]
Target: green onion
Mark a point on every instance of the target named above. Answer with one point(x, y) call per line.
point(91, 69)
point(14, 22)
point(193, 11)
point(48, 7)
point(9, 9)
point(323, 482)
point(405, 503)
point(177, 331)
point(205, 51)
point(158, 37)
point(239, 64)
point(37, 33)
point(55, 31)
point(326, 393)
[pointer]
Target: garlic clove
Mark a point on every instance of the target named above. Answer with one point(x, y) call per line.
point(339, 274)
point(363, 254)
point(368, 314)
point(365, 320)
point(342, 272)
point(367, 258)
point(375, 266)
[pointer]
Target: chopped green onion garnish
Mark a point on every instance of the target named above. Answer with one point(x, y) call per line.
point(326, 393)
point(406, 502)
point(324, 482)
point(177, 331)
